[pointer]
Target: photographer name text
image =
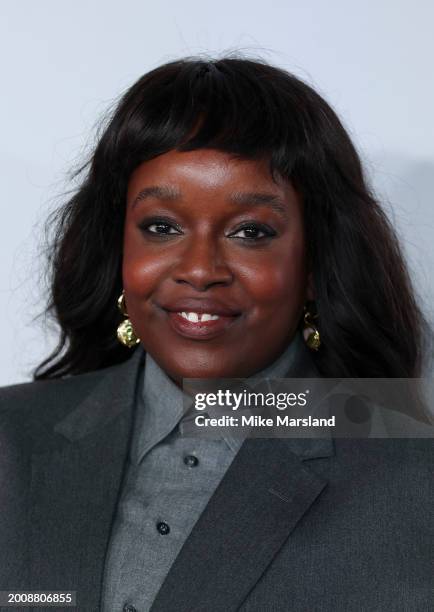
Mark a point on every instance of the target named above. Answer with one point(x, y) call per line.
point(264, 422)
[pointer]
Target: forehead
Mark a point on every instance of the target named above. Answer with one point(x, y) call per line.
point(205, 169)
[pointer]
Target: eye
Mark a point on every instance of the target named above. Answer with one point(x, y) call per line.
point(159, 227)
point(253, 232)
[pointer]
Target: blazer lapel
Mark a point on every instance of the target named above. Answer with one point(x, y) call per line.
point(75, 486)
point(266, 491)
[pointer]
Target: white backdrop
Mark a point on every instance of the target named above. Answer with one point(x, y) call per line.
point(64, 63)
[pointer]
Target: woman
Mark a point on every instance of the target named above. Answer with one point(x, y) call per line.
point(225, 213)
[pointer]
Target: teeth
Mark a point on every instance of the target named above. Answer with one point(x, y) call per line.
point(194, 317)
point(209, 317)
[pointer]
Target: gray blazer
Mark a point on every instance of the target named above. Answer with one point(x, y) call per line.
point(303, 526)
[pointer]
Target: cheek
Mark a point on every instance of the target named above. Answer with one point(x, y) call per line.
point(141, 275)
point(141, 270)
point(279, 280)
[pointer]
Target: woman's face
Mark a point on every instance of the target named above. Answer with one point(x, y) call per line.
point(210, 236)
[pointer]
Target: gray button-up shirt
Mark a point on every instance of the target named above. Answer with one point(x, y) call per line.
point(169, 481)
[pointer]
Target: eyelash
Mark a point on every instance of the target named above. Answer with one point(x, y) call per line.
point(267, 231)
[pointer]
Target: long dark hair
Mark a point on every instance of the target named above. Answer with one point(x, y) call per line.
point(368, 317)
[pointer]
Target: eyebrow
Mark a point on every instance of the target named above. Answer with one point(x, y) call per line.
point(161, 192)
point(260, 199)
point(254, 198)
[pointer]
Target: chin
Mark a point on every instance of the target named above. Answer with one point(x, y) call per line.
point(203, 371)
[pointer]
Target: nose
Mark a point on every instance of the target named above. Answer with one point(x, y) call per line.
point(202, 264)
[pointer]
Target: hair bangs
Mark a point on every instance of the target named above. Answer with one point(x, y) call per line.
point(209, 105)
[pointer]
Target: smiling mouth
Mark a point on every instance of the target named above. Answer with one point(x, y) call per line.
point(198, 317)
point(200, 326)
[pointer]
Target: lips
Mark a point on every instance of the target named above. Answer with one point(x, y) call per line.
point(200, 319)
point(201, 306)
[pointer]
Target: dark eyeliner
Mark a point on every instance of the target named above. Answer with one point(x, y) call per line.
point(145, 223)
point(267, 230)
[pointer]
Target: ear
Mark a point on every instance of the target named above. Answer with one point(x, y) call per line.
point(310, 288)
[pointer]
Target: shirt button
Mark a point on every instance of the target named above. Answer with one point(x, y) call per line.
point(191, 460)
point(129, 608)
point(163, 528)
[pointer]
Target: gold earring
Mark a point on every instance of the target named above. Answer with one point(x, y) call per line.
point(125, 331)
point(311, 333)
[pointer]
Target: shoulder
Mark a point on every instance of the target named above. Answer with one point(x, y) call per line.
point(21, 394)
point(386, 457)
point(41, 404)
point(29, 412)
point(394, 471)
point(393, 451)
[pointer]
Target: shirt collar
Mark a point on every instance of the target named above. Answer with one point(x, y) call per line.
point(162, 407)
